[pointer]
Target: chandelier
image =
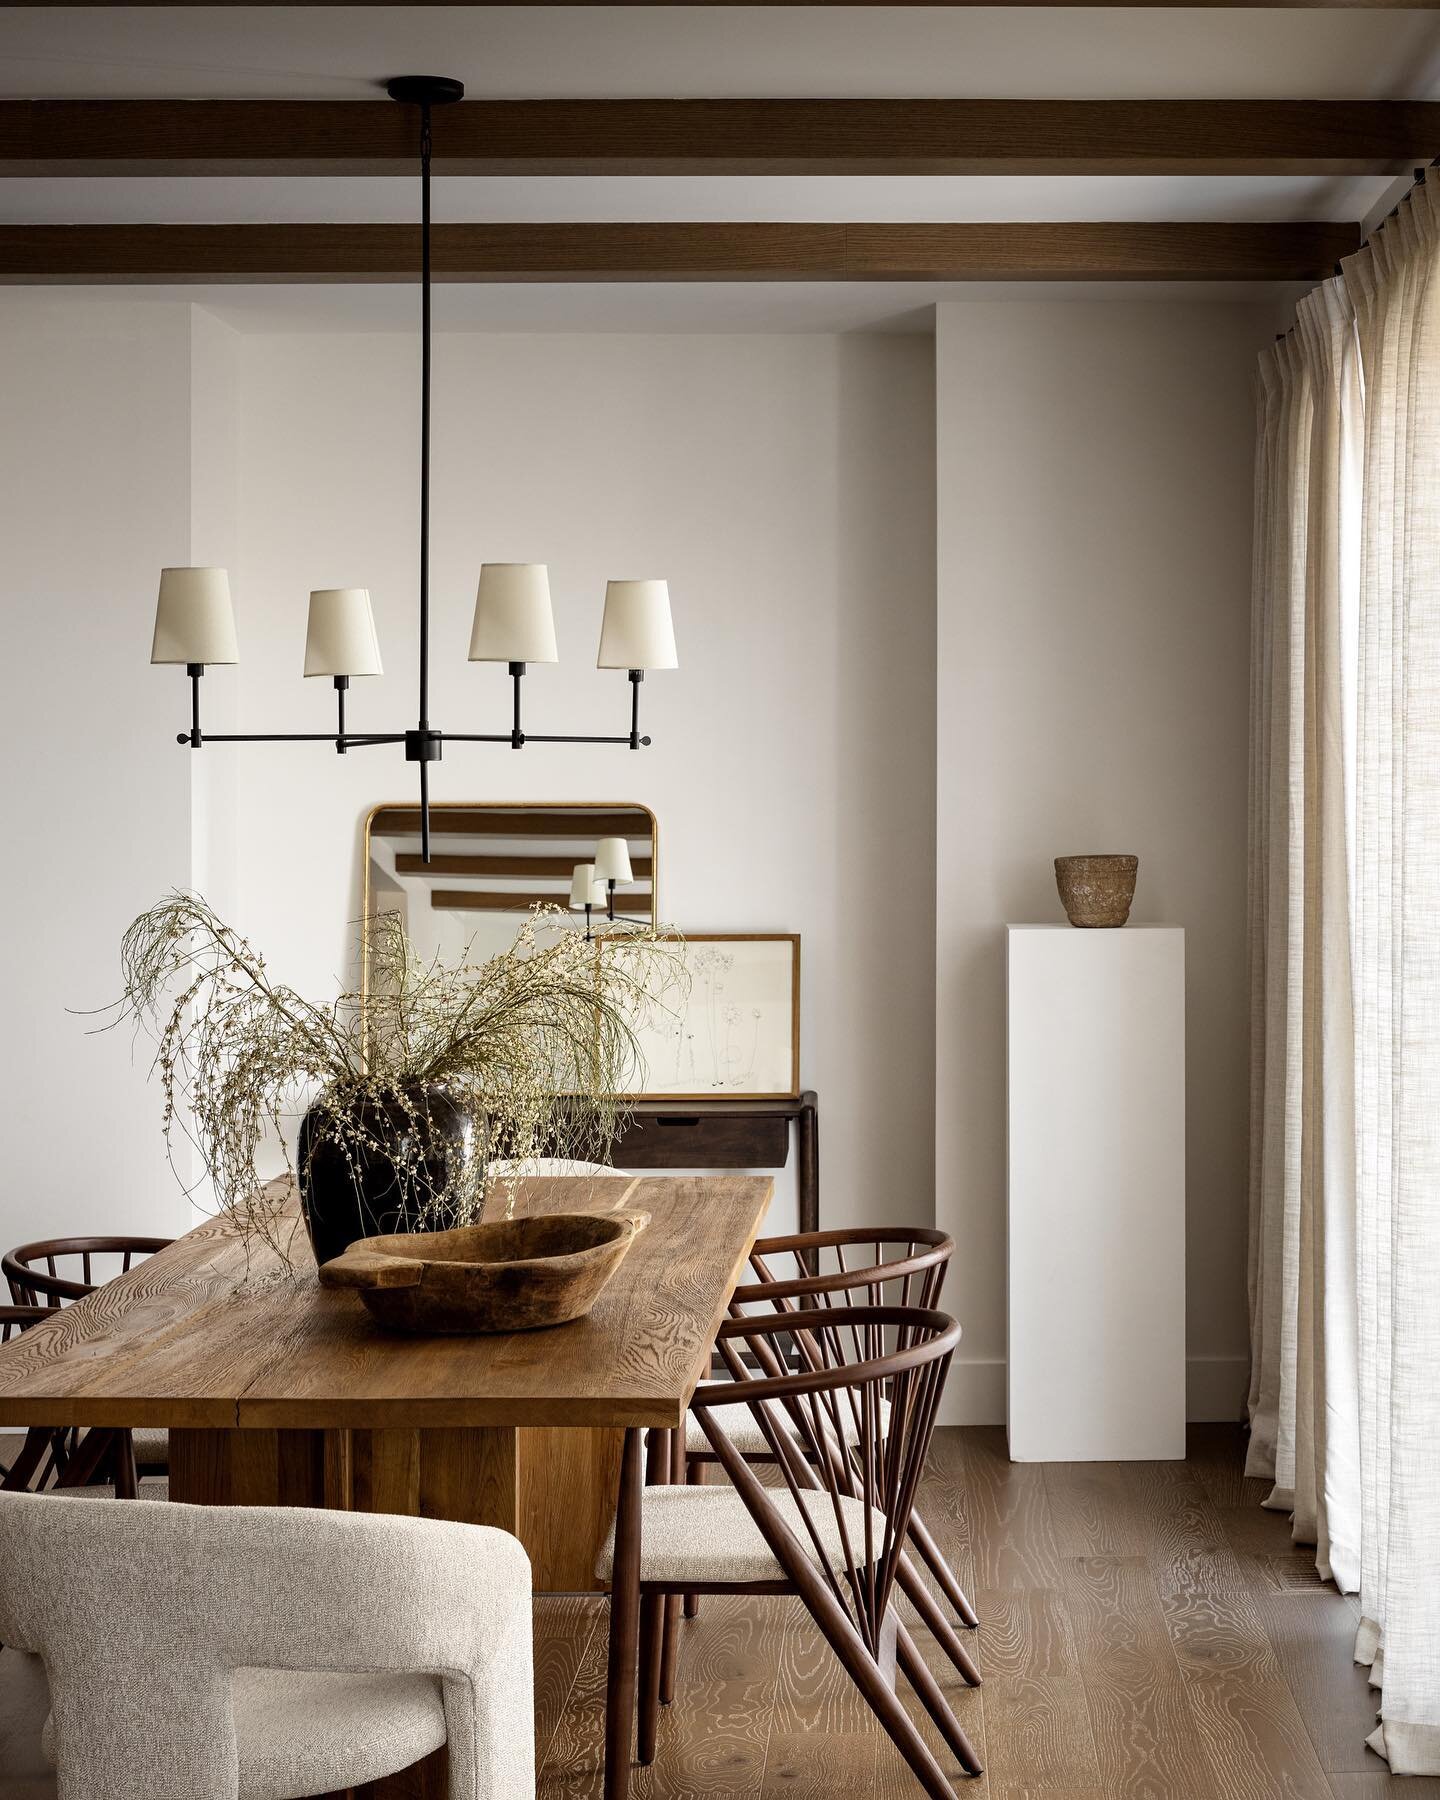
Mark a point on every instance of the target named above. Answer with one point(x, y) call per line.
point(195, 623)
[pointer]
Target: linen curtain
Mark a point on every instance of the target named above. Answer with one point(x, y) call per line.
point(1345, 954)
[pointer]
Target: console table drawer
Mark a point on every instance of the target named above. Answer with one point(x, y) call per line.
point(703, 1140)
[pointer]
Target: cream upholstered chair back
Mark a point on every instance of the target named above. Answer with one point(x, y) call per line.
point(143, 1612)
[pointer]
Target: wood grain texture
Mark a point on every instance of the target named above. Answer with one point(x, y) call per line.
point(538, 868)
point(1246, 1715)
point(749, 136)
point(1269, 1560)
point(455, 819)
point(632, 901)
point(680, 250)
point(177, 1342)
point(565, 1501)
point(1314, 1645)
point(1249, 1676)
point(1012, 1531)
point(1146, 1738)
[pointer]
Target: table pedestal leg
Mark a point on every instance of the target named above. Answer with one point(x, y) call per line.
point(554, 1488)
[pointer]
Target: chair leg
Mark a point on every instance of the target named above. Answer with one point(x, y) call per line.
point(659, 1469)
point(652, 1626)
point(694, 1477)
point(624, 1623)
point(839, 1632)
point(127, 1481)
point(912, 1585)
point(92, 1450)
point(919, 1534)
point(670, 1642)
point(916, 1671)
point(32, 1454)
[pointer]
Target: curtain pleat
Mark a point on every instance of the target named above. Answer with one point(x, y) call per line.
point(1345, 953)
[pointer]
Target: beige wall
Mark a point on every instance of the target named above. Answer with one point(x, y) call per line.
point(94, 498)
point(1091, 644)
point(1093, 472)
point(784, 485)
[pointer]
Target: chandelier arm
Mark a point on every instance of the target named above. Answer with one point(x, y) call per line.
point(265, 737)
point(538, 737)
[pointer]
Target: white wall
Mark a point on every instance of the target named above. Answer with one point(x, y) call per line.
point(1093, 527)
point(784, 485)
point(94, 498)
point(1093, 472)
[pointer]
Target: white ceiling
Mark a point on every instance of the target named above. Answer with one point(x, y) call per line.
point(267, 199)
point(329, 52)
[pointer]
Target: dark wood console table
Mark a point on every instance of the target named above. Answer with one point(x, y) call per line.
point(728, 1133)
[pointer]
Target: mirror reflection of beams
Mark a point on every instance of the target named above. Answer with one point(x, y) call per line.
point(490, 862)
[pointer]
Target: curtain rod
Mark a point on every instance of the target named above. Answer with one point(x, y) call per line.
point(1418, 182)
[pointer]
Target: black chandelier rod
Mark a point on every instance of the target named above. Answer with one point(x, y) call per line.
point(424, 473)
point(424, 744)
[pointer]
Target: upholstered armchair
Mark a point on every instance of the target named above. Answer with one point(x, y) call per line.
point(260, 1653)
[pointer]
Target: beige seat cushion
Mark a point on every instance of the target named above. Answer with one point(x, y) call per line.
point(744, 1430)
point(311, 1733)
point(151, 1446)
point(706, 1534)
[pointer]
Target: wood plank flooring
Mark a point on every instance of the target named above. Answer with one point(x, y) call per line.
point(1148, 1633)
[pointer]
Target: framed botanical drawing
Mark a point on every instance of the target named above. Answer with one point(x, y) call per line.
point(738, 1033)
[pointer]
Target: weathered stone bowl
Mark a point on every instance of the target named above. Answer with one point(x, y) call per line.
point(513, 1275)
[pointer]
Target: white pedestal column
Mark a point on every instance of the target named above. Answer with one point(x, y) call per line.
point(1096, 1361)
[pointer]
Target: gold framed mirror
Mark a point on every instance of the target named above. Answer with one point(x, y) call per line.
point(490, 862)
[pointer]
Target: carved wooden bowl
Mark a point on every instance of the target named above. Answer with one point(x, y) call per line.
point(514, 1275)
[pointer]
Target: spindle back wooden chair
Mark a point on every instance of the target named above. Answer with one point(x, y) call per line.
point(36, 1279)
point(56, 1272)
point(903, 1265)
point(833, 1534)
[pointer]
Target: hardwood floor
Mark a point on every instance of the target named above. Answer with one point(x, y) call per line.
point(1148, 1633)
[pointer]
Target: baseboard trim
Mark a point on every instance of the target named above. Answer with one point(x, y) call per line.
point(1215, 1389)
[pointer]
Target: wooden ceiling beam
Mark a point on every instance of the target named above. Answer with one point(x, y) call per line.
point(1200, 5)
point(672, 252)
point(721, 137)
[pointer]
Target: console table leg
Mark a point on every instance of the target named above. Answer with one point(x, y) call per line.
point(807, 1125)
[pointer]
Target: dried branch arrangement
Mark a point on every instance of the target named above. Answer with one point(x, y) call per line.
point(538, 1045)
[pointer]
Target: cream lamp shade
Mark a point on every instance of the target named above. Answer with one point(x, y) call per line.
point(612, 860)
point(513, 621)
point(636, 632)
point(340, 639)
point(582, 886)
point(194, 622)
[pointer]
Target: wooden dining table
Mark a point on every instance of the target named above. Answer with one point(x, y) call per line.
point(276, 1391)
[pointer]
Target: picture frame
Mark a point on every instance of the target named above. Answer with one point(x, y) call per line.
point(739, 1034)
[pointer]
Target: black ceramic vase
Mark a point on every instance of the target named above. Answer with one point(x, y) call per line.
point(416, 1145)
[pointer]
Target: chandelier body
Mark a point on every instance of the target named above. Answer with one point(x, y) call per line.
point(194, 625)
